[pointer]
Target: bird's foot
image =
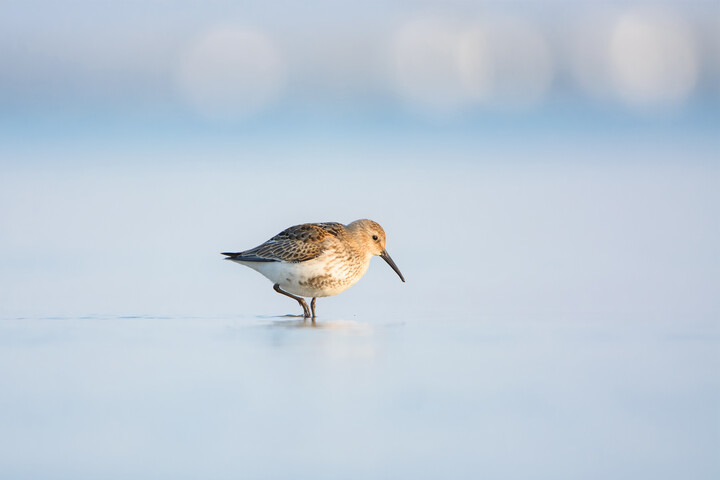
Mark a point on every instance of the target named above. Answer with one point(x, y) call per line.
point(306, 310)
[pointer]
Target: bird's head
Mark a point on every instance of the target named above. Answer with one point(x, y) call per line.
point(371, 237)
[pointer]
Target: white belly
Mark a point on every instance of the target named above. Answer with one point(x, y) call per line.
point(313, 278)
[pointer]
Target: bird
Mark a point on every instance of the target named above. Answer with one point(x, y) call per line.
point(317, 259)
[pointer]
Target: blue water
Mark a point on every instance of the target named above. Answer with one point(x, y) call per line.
point(396, 396)
point(559, 320)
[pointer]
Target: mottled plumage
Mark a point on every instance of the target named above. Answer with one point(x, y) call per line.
point(317, 259)
point(295, 244)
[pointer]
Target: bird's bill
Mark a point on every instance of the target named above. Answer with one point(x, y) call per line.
point(386, 256)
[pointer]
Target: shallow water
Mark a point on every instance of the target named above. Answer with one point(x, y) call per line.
point(383, 397)
point(559, 320)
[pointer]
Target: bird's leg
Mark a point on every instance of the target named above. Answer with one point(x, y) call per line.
point(312, 306)
point(301, 301)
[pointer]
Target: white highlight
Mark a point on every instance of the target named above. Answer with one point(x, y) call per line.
point(442, 66)
point(654, 59)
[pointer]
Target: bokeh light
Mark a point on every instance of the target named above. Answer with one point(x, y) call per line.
point(443, 65)
point(654, 58)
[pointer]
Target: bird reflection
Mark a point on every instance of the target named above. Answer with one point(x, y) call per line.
point(338, 325)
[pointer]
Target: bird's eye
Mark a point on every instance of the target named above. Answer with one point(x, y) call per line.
point(375, 237)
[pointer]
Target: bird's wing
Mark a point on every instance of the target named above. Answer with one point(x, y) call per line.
point(295, 244)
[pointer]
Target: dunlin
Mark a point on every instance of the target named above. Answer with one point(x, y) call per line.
point(317, 259)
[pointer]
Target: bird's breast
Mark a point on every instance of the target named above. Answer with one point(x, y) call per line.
point(327, 275)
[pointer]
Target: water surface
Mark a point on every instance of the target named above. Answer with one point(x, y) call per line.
point(368, 397)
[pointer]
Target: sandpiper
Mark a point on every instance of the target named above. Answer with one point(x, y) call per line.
point(317, 259)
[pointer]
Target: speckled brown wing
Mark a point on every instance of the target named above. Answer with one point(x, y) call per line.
point(295, 244)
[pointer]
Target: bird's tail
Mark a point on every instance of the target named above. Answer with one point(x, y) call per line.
point(247, 257)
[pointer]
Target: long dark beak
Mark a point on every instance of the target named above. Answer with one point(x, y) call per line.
point(386, 256)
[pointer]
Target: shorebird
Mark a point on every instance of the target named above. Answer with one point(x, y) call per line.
point(317, 259)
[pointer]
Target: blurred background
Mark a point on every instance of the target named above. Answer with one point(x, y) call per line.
point(560, 155)
point(189, 64)
point(547, 172)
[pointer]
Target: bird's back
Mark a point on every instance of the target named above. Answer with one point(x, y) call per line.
point(295, 244)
